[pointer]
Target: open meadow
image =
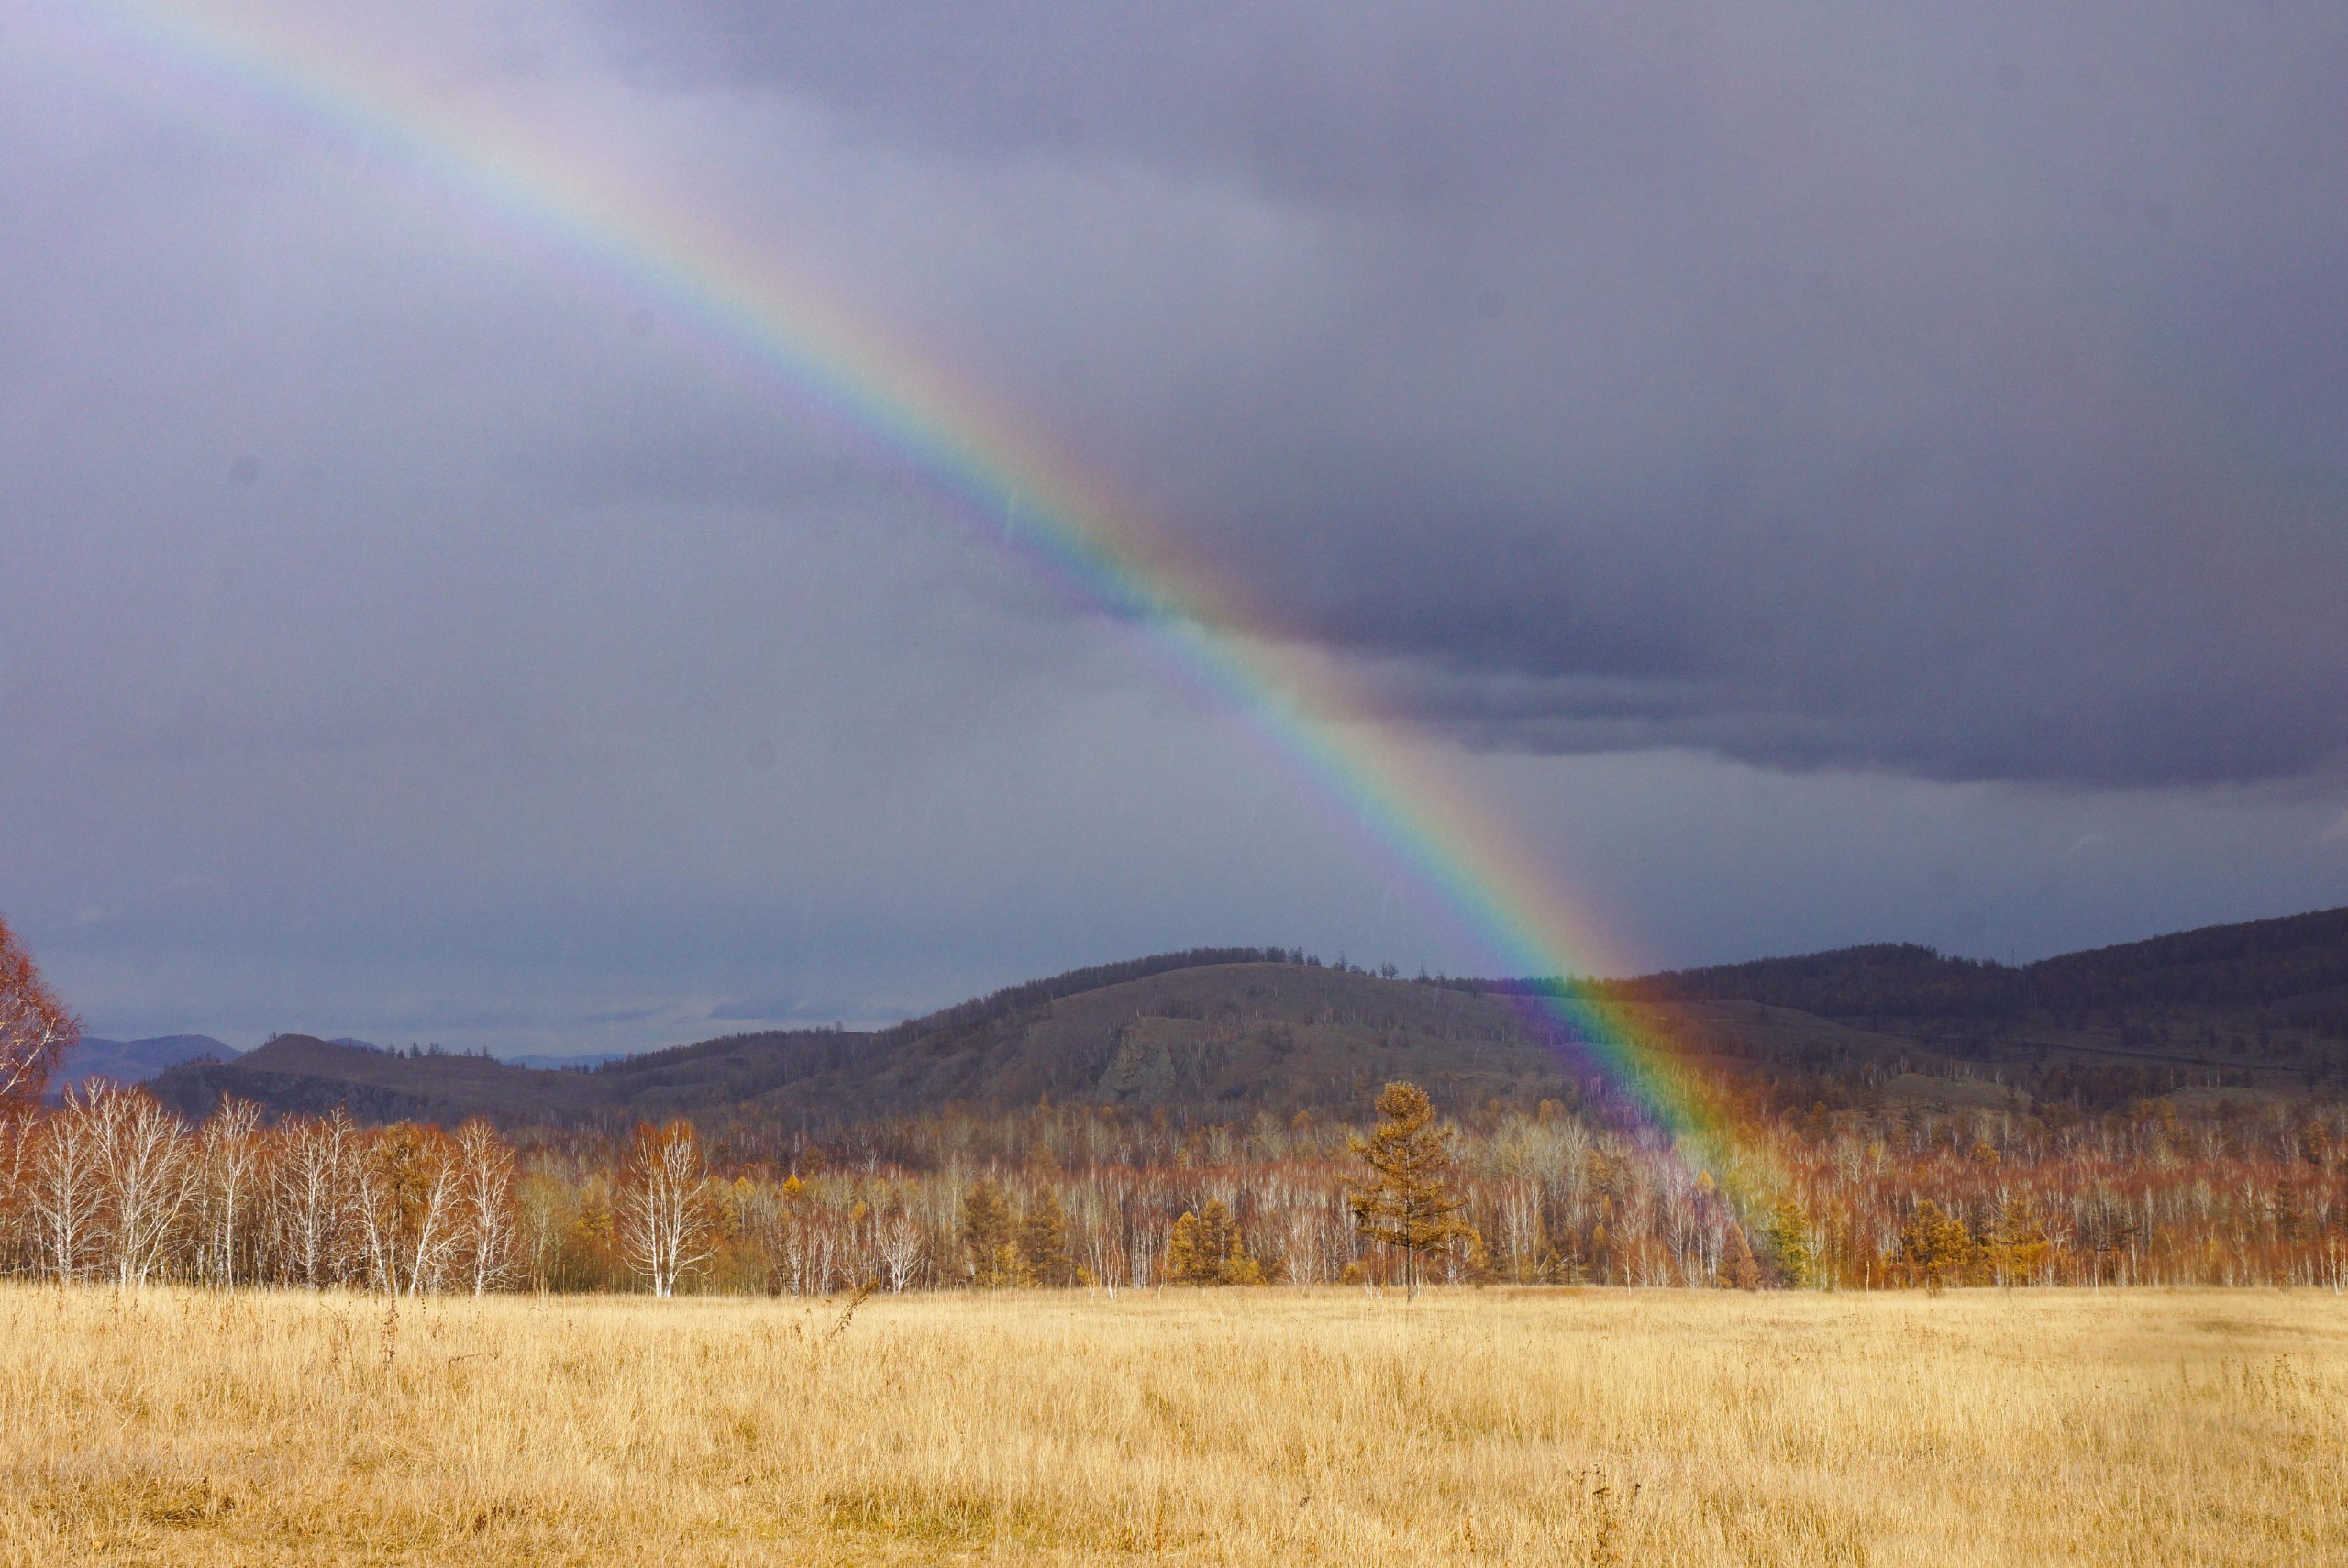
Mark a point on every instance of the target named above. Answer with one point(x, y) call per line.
point(1234, 1426)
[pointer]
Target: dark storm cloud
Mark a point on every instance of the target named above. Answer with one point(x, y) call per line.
point(1952, 388)
point(410, 629)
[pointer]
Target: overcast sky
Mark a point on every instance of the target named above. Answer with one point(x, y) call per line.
point(1821, 472)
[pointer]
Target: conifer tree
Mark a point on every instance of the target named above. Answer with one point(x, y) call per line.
point(2018, 1244)
point(1739, 1270)
point(1410, 1200)
point(988, 1236)
point(1933, 1242)
point(1182, 1249)
point(1788, 1239)
point(1042, 1243)
point(1207, 1248)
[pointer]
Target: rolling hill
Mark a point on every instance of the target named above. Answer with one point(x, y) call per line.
point(1234, 1037)
point(132, 1061)
point(2259, 1008)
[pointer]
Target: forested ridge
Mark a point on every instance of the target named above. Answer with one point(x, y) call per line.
point(2253, 964)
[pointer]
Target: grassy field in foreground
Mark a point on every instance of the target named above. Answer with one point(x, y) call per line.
point(2151, 1428)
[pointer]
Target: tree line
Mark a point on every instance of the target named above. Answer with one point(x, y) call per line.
point(112, 1185)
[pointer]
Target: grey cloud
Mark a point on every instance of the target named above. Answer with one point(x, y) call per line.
point(1955, 390)
point(407, 632)
point(770, 1010)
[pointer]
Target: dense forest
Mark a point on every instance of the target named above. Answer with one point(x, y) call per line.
point(115, 1186)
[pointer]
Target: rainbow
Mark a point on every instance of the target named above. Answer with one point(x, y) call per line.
point(1095, 548)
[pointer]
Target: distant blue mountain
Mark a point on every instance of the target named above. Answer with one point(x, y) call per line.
point(134, 1061)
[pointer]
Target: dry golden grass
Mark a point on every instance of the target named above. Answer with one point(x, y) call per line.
point(1213, 1427)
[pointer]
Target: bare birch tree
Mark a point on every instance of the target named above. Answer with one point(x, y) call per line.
point(666, 1230)
point(903, 1251)
point(141, 1148)
point(407, 1206)
point(548, 1207)
point(313, 1198)
point(19, 1139)
point(485, 1213)
point(1519, 1209)
point(66, 1200)
point(1305, 1234)
point(229, 1180)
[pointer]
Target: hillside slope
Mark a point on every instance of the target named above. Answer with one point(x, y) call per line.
point(1217, 1040)
point(1236, 1037)
point(2261, 1009)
